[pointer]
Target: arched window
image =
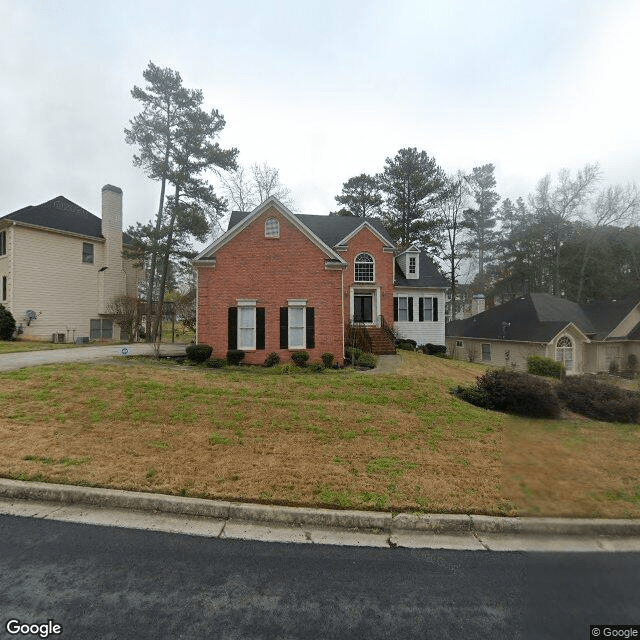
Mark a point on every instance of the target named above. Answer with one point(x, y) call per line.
point(564, 352)
point(271, 228)
point(364, 268)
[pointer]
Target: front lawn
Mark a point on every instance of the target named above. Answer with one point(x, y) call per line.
point(345, 438)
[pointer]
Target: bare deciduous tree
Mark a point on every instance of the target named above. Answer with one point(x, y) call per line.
point(127, 312)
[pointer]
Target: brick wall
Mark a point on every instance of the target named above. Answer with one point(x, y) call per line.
point(366, 241)
point(271, 270)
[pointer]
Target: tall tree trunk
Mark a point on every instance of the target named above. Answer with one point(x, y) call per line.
point(157, 326)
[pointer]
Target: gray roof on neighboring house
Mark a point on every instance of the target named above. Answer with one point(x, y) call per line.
point(429, 275)
point(537, 317)
point(330, 229)
point(63, 215)
point(606, 316)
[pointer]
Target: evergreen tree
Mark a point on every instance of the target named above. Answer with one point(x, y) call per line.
point(360, 197)
point(413, 184)
point(176, 144)
point(481, 219)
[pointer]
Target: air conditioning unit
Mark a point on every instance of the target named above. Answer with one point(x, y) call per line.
point(58, 337)
point(82, 340)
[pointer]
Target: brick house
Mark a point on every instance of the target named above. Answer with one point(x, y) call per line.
point(276, 281)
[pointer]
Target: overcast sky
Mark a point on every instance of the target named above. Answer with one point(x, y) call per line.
point(320, 90)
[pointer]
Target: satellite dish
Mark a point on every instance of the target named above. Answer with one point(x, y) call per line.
point(29, 313)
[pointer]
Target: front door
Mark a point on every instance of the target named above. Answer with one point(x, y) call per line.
point(363, 308)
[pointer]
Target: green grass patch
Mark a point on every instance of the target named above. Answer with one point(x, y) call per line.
point(216, 438)
point(391, 467)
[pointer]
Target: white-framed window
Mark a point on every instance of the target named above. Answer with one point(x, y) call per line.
point(403, 309)
point(412, 265)
point(272, 228)
point(297, 324)
point(486, 352)
point(87, 252)
point(246, 325)
point(429, 309)
point(364, 268)
point(564, 352)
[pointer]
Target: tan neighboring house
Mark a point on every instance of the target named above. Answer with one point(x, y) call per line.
point(61, 266)
point(588, 338)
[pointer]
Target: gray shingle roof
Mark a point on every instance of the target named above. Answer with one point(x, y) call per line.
point(429, 275)
point(63, 215)
point(537, 317)
point(330, 229)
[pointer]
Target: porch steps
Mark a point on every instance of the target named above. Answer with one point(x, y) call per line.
point(381, 344)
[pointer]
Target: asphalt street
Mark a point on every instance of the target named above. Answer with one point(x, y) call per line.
point(105, 582)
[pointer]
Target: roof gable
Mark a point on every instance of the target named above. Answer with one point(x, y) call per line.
point(429, 275)
point(60, 214)
point(240, 220)
point(533, 318)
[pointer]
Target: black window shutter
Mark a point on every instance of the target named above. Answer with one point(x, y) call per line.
point(284, 328)
point(420, 309)
point(435, 309)
point(233, 328)
point(410, 308)
point(395, 309)
point(259, 328)
point(311, 328)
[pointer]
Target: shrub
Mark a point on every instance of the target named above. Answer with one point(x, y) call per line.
point(327, 359)
point(598, 400)
point(216, 363)
point(408, 341)
point(614, 369)
point(316, 367)
point(300, 358)
point(7, 323)
point(366, 360)
point(235, 356)
point(519, 393)
point(472, 395)
point(434, 349)
point(288, 367)
point(272, 359)
point(353, 353)
point(548, 367)
point(407, 345)
point(199, 352)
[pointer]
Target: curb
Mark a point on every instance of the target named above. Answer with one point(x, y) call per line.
point(325, 518)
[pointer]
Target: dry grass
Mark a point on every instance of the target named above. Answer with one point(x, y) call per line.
point(396, 442)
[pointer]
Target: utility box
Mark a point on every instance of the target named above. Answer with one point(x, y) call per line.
point(82, 340)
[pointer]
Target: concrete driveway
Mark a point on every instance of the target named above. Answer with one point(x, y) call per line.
point(11, 361)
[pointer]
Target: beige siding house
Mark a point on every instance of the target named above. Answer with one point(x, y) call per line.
point(61, 266)
point(588, 338)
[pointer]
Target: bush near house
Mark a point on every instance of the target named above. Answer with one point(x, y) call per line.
point(235, 356)
point(406, 343)
point(513, 392)
point(300, 358)
point(327, 359)
point(367, 360)
point(540, 366)
point(434, 349)
point(199, 352)
point(7, 323)
point(272, 359)
point(353, 353)
point(598, 400)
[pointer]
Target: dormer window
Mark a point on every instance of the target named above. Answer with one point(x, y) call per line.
point(272, 228)
point(412, 265)
point(364, 268)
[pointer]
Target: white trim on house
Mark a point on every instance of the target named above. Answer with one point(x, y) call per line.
point(342, 244)
point(256, 213)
